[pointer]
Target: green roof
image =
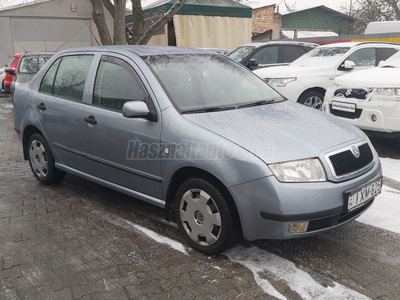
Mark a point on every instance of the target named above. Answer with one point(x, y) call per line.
point(221, 8)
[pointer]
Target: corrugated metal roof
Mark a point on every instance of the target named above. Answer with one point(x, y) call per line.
point(222, 8)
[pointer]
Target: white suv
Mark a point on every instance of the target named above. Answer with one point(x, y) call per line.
point(369, 99)
point(306, 79)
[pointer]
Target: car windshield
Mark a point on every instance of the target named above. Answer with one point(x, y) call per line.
point(323, 56)
point(32, 64)
point(393, 61)
point(239, 53)
point(207, 81)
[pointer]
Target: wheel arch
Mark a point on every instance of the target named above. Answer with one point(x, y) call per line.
point(180, 175)
point(317, 89)
point(28, 131)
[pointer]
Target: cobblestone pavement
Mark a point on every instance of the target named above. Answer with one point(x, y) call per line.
point(74, 240)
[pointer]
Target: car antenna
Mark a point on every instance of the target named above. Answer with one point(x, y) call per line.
point(22, 47)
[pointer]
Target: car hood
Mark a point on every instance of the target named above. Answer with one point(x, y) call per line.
point(279, 132)
point(292, 71)
point(375, 77)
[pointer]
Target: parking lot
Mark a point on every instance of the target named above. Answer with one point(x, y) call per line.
point(79, 240)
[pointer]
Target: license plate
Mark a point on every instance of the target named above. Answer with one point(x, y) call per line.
point(343, 106)
point(362, 195)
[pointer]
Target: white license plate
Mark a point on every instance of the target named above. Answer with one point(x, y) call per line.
point(343, 106)
point(362, 195)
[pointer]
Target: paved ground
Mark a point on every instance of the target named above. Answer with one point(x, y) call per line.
point(75, 241)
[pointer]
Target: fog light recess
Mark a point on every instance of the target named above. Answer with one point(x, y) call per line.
point(298, 227)
point(374, 118)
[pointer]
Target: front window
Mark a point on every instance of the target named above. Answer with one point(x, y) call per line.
point(116, 83)
point(363, 57)
point(196, 82)
point(267, 55)
point(323, 56)
point(239, 53)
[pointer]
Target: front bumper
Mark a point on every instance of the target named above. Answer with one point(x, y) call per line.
point(379, 116)
point(267, 207)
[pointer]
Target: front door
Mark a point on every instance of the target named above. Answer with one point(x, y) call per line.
point(122, 150)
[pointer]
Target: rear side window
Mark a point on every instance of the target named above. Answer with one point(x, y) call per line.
point(384, 54)
point(287, 54)
point(67, 76)
point(116, 83)
point(47, 82)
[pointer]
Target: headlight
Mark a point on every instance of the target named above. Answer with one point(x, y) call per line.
point(331, 89)
point(386, 94)
point(307, 170)
point(280, 82)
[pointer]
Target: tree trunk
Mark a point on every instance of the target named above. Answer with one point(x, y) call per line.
point(138, 21)
point(100, 21)
point(119, 22)
point(161, 22)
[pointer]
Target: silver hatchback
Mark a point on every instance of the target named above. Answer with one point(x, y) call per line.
point(199, 135)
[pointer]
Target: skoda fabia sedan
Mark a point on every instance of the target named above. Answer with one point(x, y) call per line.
point(199, 135)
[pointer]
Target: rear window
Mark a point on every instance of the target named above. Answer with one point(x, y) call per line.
point(13, 60)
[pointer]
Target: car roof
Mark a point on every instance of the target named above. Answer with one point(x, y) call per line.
point(140, 50)
point(280, 43)
point(353, 44)
point(27, 54)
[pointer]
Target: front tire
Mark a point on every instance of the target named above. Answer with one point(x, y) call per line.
point(204, 216)
point(41, 161)
point(312, 99)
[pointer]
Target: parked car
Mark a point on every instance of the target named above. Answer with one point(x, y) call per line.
point(306, 79)
point(369, 99)
point(2, 77)
point(29, 64)
point(199, 135)
point(261, 55)
point(11, 65)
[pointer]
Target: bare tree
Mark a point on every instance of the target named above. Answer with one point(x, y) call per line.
point(366, 11)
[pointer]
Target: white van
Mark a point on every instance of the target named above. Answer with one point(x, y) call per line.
point(382, 27)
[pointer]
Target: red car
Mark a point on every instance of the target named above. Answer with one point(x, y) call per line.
point(11, 65)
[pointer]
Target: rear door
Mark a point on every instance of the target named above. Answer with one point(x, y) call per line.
point(60, 108)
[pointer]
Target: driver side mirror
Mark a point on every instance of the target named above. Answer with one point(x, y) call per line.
point(135, 109)
point(348, 65)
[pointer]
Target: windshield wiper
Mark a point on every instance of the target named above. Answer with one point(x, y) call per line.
point(208, 109)
point(261, 102)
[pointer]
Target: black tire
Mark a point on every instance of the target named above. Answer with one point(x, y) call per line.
point(2, 85)
point(313, 99)
point(204, 216)
point(41, 161)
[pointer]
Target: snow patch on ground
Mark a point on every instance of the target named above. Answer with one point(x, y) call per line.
point(264, 264)
point(158, 238)
point(391, 168)
point(384, 210)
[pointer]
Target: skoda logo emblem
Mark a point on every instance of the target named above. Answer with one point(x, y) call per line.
point(355, 151)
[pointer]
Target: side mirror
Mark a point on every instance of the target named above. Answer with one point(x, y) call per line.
point(10, 71)
point(252, 62)
point(348, 65)
point(135, 109)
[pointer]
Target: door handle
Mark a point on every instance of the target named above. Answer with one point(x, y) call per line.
point(90, 120)
point(41, 106)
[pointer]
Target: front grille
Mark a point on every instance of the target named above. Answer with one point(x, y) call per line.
point(346, 114)
point(346, 162)
point(351, 93)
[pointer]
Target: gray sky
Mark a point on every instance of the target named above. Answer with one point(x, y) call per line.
point(299, 4)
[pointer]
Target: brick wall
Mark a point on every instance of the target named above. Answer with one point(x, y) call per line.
point(263, 18)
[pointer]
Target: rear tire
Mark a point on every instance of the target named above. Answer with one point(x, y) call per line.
point(41, 161)
point(204, 216)
point(313, 99)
